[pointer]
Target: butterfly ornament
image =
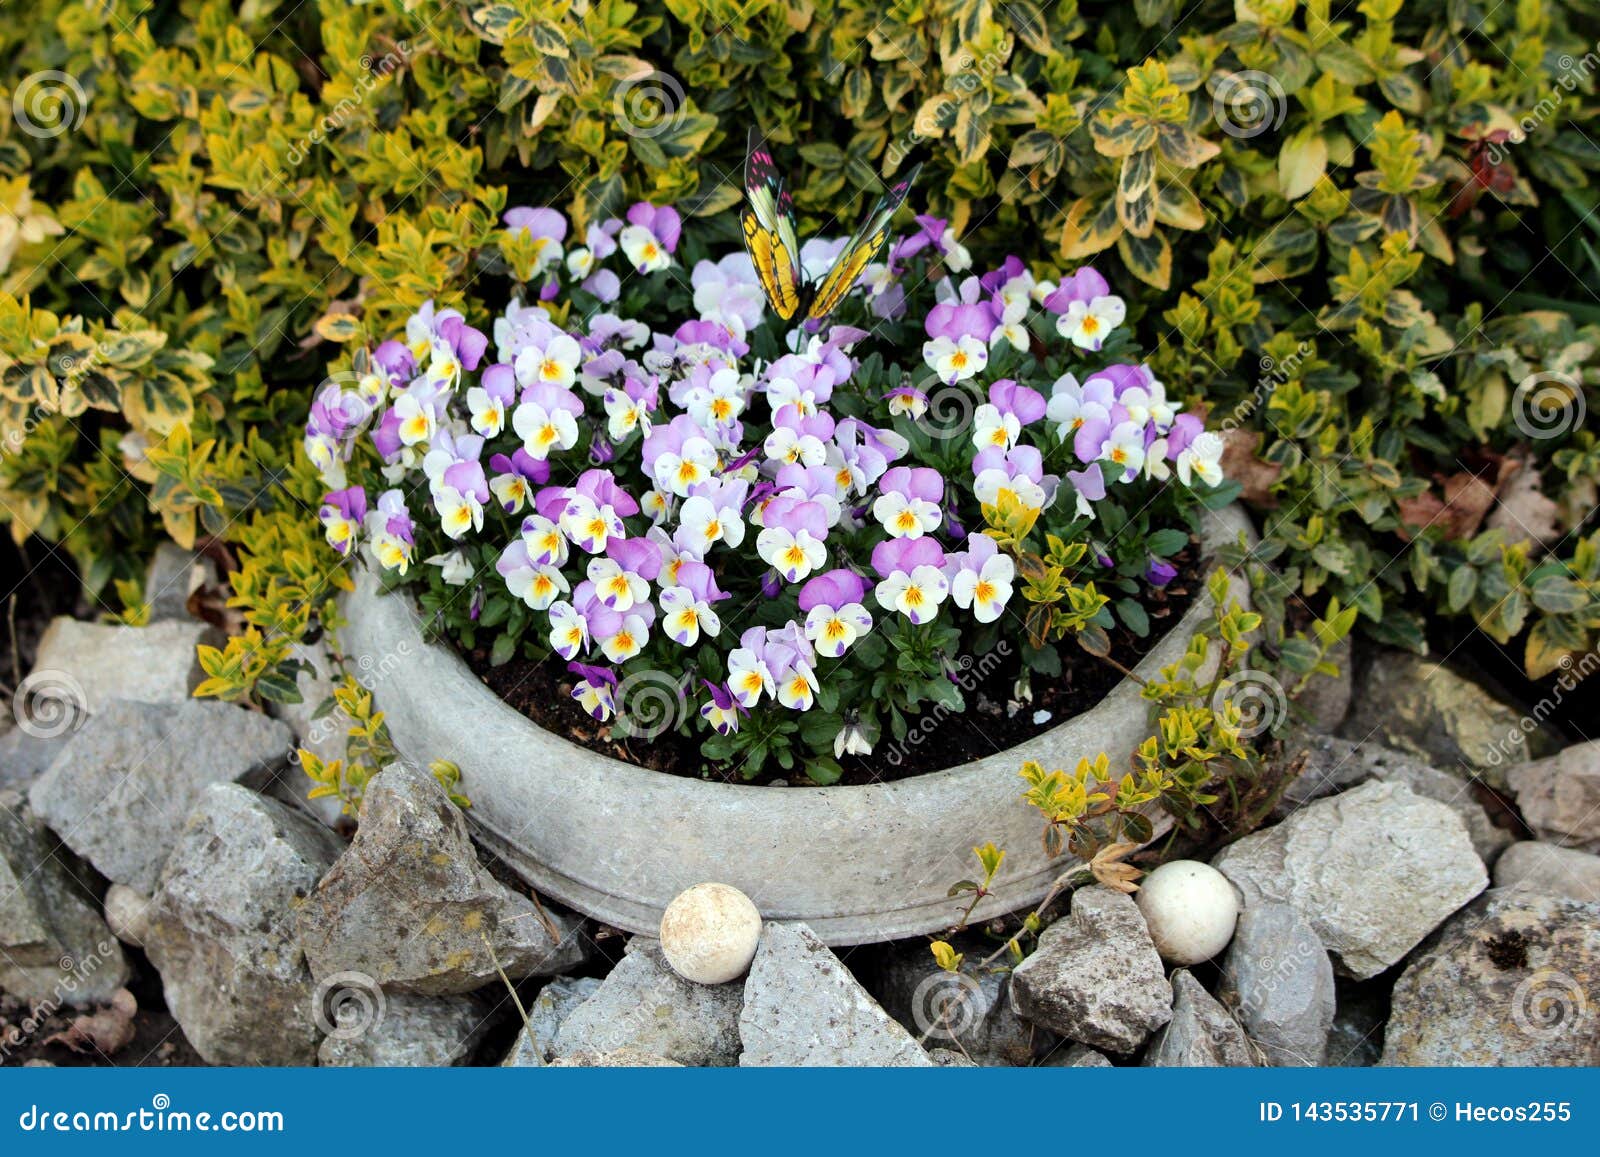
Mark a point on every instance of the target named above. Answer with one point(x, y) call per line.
point(769, 237)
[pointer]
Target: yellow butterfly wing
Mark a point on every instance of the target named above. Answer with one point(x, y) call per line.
point(768, 224)
point(863, 246)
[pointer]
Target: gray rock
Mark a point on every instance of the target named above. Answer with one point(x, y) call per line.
point(24, 754)
point(1095, 976)
point(1559, 797)
point(410, 905)
point(55, 950)
point(1333, 764)
point(404, 1031)
point(646, 1006)
point(802, 1007)
point(1550, 870)
point(546, 1014)
point(1428, 710)
point(100, 663)
point(1279, 982)
point(1201, 1033)
point(172, 576)
point(969, 1012)
point(1072, 1055)
point(623, 1058)
point(1513, 980)
point(1326, 699)
point(127, 914)
point(221, 930)
point(950, 1059)
point(1373, 871)
point(120, 792)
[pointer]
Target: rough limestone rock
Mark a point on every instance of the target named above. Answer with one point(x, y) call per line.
point(1072, 1055)
point(1427, 709)
point(1512, 980)
point(121, 791)
point(968, 1012)
point(1201, 1033)
point(24, 754)
point(397, 1030)
point(409, 905)
point(802, 1007)
point(221, 929)
point(172, 576)
point(1559, 797)
point(950, 1059)
point(127, 913)
point(623, 1058)
point(1373, 871)
point(644, 1005)
point(1279, 982)
point(548, 1011)
point(1549, 870)
point(1326, 700)
point(1095, 976)
point(55, 950)
point(108, 662)
point(1333, 764)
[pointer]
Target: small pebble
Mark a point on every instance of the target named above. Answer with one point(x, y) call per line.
point(1190, 909)
point(1041, 716)
point(709, 933)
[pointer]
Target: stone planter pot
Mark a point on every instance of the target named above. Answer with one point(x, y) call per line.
point(617, 842)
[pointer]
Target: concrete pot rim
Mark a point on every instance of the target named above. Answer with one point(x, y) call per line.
point(617, 841)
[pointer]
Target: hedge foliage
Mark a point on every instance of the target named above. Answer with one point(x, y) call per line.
point(1361, 228)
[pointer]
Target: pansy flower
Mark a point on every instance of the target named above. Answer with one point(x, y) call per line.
point(749, 675)
point(1201, 458)
point(908, 506)
point(678, 456)
point(390, 535)
point(342, 514)
point(454, 567)
point(713, 514)
point(546, 228)
point(538, 585)
point(1019, 472)
point(912, 573)
point(651, 236)
point(686, 608)
point(799, 437)
point(835, 617)
point(722, 709)
point(596, 690)
point(1088, 324)
point(515, 477)
point(728, 291)
point(489, 402)
point(569, 630)
point(546, 419)
point(980, 578)
point(792, 537)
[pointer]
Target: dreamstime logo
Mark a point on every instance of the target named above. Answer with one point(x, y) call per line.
point(651, 703)
point(348, 1005)
point(1249, 103)
point(1548, 405)
point(1568, 83)
point(948, 1005)
point(1257, 699)
point(49, 704)
point(72, 974)
point(47, 104)
point(1549, 1004)
point(649, 104)
point(949, 412)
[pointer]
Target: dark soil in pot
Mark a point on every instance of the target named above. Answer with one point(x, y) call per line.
point(993, 721)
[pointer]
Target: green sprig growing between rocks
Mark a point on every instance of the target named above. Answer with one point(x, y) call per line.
point(369, 749)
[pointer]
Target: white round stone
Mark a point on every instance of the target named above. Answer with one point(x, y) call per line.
point(709, 933)
point(1190, 909)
